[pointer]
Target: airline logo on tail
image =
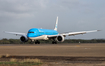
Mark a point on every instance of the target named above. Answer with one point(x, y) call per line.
point(56, 24)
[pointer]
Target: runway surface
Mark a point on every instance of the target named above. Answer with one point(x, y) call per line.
point(72, 50)
point(56, 54)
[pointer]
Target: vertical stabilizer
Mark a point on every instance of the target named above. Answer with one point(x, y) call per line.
point(56, 24)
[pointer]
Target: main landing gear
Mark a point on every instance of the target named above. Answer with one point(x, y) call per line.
point(54, 42)
point(37, 42)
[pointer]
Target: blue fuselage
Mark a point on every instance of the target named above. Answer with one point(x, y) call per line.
point(36, 32)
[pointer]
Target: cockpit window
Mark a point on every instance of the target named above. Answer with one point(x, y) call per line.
point(30, 32)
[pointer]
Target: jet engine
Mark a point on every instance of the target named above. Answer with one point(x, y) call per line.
point(23, 38)
point(60, 38)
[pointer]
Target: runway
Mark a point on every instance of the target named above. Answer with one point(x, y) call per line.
point(56, 54)
point(72, 50)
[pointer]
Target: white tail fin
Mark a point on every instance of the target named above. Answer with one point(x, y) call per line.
point(56, 25)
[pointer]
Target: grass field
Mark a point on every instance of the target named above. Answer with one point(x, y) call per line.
point(21, 62)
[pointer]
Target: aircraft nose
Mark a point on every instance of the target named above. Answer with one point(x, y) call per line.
point(29, 35)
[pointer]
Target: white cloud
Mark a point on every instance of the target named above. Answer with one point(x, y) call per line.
point(20, 8)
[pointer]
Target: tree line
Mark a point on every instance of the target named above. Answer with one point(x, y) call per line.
point(17, 41)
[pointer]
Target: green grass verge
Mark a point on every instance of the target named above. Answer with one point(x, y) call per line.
point(19, 63)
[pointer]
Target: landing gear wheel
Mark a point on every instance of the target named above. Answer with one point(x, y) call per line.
point(54, 42)
point(37, 42)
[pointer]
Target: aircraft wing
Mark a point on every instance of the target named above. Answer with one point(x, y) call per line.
point(16, 33)
point(77, 33)
point(72, 33)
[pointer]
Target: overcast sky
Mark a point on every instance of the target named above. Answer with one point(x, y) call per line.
point(74, 15)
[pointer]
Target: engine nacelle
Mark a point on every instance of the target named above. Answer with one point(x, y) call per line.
point(60, 38)
point(23, 38)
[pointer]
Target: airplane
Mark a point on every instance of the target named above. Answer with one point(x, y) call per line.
point(36, 34)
